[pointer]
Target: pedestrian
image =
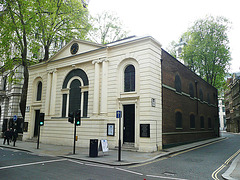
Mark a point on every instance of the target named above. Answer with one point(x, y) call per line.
point(14, 136)
point(6, 136)
point(11, 135)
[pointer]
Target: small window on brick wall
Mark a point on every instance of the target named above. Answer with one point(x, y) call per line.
point(178, 118)
point(200, 95)
point(208, 99)
point(202, 122)
point(209, 123)
point(192, 121)
point(191, 90)
point(178, 84)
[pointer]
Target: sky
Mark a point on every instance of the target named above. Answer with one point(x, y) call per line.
point(166, 20)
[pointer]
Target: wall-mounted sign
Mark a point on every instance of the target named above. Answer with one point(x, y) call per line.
point(15, 118)
point(118, 114)
point(153, 102)
point(27, 108)
point(144, 130)
point(110, 129)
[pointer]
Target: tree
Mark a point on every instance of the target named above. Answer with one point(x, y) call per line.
point(29, 25)
point(59, 21)
point(106, 28)
point(171, 48)
point(16, 27)
point(207, 52)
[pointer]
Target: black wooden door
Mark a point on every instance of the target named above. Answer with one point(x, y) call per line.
point(129, 123)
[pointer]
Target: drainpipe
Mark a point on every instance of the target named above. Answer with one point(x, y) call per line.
point(161, 61)
point(196, 83)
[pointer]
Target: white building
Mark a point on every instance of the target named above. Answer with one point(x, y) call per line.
point(179, 49)
point(10, 95)
point(99, 79)
point(222, 114)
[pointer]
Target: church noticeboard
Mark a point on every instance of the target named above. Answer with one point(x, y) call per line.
point(110, 129)
point(144, 130)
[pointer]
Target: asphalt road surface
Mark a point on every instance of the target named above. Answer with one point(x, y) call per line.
point(198, 163)
point(21, 165)
point(201, 163)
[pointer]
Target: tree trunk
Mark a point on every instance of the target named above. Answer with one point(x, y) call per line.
point(46, 55)
point(24, 91)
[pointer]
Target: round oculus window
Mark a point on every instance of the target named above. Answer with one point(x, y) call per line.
point(74, 48)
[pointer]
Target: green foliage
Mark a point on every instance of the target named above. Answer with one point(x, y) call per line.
point(171, 49)
point(58, 21)
point(207, 52)
point(106, 28)
point(30, 27)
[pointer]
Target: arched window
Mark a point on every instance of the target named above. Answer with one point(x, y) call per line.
point(192, 121)
point(178, 84)
point(129, 79)
point(39, 91)
point(178, 118)
point(191, 90)
point(200, 95)
point(5, 83)
point(75, 93)
point(214, 98)
point(75, 96)
point(208, 99)
point(202, 122)
point(209, 123)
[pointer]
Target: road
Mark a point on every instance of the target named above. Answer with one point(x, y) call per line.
point(198, 163)
point(17, 165)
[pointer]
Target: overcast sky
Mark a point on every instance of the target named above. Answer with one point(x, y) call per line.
point(166, 20)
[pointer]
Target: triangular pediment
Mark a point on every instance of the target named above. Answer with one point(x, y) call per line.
point(75, 47)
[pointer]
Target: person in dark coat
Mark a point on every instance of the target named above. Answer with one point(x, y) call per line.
point(11, 135)
point(14, 136)
point(6, 136)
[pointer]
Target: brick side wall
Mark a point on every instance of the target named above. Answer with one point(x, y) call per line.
point(182, 102)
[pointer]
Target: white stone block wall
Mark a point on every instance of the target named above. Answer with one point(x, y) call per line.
point(105, 94)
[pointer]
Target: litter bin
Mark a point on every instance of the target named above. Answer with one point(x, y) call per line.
point(93, 151)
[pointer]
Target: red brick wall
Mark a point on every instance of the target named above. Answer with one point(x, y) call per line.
point(174, 101)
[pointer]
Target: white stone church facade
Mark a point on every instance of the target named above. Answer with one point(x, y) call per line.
point(99, 79)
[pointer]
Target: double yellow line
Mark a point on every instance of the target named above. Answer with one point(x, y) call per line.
point(175, 154)
point(198, 147)
point(215, 173)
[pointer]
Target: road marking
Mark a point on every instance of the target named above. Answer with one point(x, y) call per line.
point(138, 165)
point(102, 166)
point(75, 161)
point(163, 158)
point(164, 177)
point(129, 171)
point(197, 147)
point(34, 163)
point(215, 173)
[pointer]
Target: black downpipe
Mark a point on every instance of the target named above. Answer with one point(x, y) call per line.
point(196, 83)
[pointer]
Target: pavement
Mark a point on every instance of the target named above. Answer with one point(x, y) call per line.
point(111, 157)
point(233, 172)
